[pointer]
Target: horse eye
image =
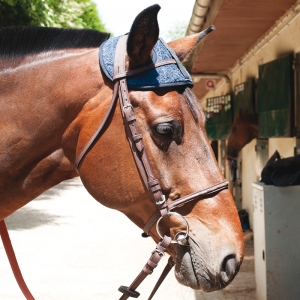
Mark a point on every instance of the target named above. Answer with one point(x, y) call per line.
point(164, 129)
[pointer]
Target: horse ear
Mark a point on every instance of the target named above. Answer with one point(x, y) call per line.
point(186, 45)
point(142, 37)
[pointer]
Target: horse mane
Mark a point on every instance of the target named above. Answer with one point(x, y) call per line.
point(192, 103)
point(22, 41)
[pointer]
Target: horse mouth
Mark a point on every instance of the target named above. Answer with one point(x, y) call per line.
point(192, 271)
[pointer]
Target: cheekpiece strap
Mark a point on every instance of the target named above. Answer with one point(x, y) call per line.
point(200, 195)
point(134, 137)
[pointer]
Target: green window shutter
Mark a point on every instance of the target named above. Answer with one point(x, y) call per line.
point(218, 117)
point(276, 98)
point(244, 97)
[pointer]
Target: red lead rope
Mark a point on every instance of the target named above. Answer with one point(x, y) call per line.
point(13, 261)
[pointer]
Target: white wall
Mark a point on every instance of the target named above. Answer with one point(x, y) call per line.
point(285, 146)
point(249, 175)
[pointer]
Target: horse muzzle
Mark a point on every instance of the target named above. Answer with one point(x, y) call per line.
point(193, 267)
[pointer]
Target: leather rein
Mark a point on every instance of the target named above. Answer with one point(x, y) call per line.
point(164, 210)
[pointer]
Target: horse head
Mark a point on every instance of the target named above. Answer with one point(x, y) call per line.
point(172, 127)
point(243, 130)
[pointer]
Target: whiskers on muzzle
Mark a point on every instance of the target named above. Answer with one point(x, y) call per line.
point(196, 268)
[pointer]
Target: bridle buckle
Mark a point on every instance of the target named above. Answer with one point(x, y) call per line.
point(127, 106)
point(159, 252)
point(162, 201)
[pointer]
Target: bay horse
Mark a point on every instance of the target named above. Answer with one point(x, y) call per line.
point(53, 97)
point(243, 130)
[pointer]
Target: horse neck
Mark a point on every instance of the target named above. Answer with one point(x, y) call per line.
point(250, 123)
point(45, 94)
point(253, 126)
point(65, 74)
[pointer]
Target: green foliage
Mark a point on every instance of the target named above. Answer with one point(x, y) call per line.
point(50, 13)
point(177, 31)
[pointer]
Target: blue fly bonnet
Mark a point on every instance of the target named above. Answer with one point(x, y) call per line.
point(167, 75)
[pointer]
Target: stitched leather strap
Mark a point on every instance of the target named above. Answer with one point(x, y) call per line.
point(200, 195)
point(99, 129)
point(153, 261)
point(13, 261)
point(163, 275)
point(135, 138)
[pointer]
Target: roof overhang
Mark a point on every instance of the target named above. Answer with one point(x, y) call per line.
point(239, 25)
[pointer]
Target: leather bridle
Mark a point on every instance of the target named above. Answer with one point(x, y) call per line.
point(164, 210)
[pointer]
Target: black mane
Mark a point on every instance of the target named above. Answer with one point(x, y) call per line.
point(21, 41)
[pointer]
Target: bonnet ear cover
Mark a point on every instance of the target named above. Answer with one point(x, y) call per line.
point(163, 76)
point(142, 37)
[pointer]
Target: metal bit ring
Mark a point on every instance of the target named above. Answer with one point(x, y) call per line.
point(186, 232)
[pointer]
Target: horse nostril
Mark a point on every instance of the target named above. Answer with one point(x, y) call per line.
point(230, 267)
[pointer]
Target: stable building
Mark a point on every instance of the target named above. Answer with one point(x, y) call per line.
point(251, 64)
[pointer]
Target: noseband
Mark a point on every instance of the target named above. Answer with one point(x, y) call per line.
point(164, 210)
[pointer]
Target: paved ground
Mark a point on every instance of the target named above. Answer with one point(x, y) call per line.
point(70, 247)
